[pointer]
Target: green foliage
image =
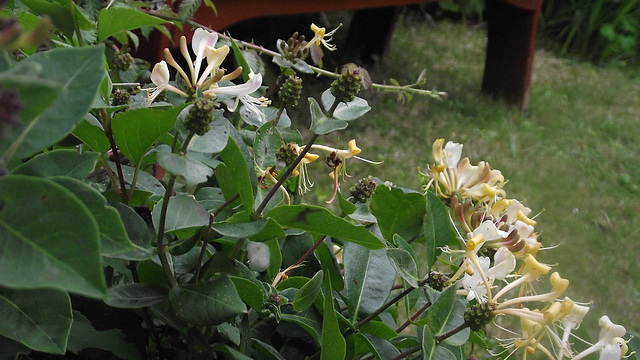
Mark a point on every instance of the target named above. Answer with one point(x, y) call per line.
point(127, 222)
point(602, 30)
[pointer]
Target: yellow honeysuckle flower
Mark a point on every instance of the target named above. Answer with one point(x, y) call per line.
point(321, 38)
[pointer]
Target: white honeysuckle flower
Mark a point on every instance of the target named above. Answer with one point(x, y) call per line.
point(200, 42)
point(490, 232)
point(610, 344)
point(215, 57)
point(243, 93)
point(570, 323)
point(452, 154)
point(474, 284)
point(160, 78)
point(504, 262)
point(259, 256)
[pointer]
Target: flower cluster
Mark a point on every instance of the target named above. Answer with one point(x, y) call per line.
point(498, 267)
point(207, 83)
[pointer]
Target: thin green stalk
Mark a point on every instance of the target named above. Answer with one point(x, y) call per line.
point(76, 25)
point(108, 131)
point(162, 254)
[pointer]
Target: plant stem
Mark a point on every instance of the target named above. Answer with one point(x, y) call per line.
point(285, 175)
point(406, 353)
point(203, 250)
point(160, 239)
point(442, 337)
point(413, 317)
point(161, 250)
point(108, 131)
point(306, 254)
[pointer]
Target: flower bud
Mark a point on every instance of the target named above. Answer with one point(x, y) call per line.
point(200, 116)
point(479, 315)
point(363, 190)
point(122, 60)
point(437, 281)
point(120, 97)
point(287, 153)
point(347, 85)
point(290, 91)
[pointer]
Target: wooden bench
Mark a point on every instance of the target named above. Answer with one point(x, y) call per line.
point(511, 31)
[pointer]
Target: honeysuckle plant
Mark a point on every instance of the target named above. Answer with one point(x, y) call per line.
point(160, 211)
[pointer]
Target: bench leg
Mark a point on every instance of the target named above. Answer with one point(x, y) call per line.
point(370, 32)
point(510, 50)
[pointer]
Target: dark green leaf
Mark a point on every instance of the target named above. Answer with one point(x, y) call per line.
point(369, 277)
point(113, 235)
point(183, 212)
point(441, 312)
point(62, 162)
point(266, 351)
point(326, 257)
point(240, 60)
point(135, 131)
point(428, 344)
point(321, 221)
point(260, 230)
point(268, 142)
point(115, 20)
point(379, 329)
point(333, 345)
point(251, 293)
point(35, 93)
point(237, 166)
point(308, 293)
point(404, 264)
point(438, 227)
point(79, 71)
point(322, 124)
point(187, 8)
point(145, 182)
point(311, 326)
point(90, 131)
point(398, 212)
point(206, 303)
point(58, 13)
point(44, 225)
point(39, 318)
point(84, 335)
point(135, 295)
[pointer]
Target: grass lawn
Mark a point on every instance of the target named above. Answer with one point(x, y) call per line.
point(573, 156)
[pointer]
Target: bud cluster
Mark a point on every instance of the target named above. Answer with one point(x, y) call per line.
point(437, 280)
point(295, 48)
point(200, 116)
point(120, 97)
point(363, 190)
point(479, 315)
point(287, 153)
point(290, 91)
point(122, 60)
point(345, 87)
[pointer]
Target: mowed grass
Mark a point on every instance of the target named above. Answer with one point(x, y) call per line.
point(573, 156)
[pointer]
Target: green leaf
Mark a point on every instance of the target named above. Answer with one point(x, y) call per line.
point(39, 318)
point(240, 60)
point(49, 238)
point(62, 162)
point(311, 326)
point(113, 235)
point(116, 20)
point(58, 13)
point(35, 94)
point(145, 182)
point(215, 140)
point(191, 171)
point(237, 166)
point(398, 212)
point(333, 345)
point(84, 335)
point(321, 221)
point(379, 329)
point(135, 295)
point(346, 111)
point(428, 344)
point(326, 257)
point(79, 71)
point(369, 277)
point(266, 351)
point(187, 8)
point(437, 227)
point(90, 131)
point(404, 264)
point(260, 230)
point(206, 303)
point(135, 131)
point(322, 124)
point(266, 146)
point(251, 293)
point(184, 212)
point(441, 312)
point(308, 293)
